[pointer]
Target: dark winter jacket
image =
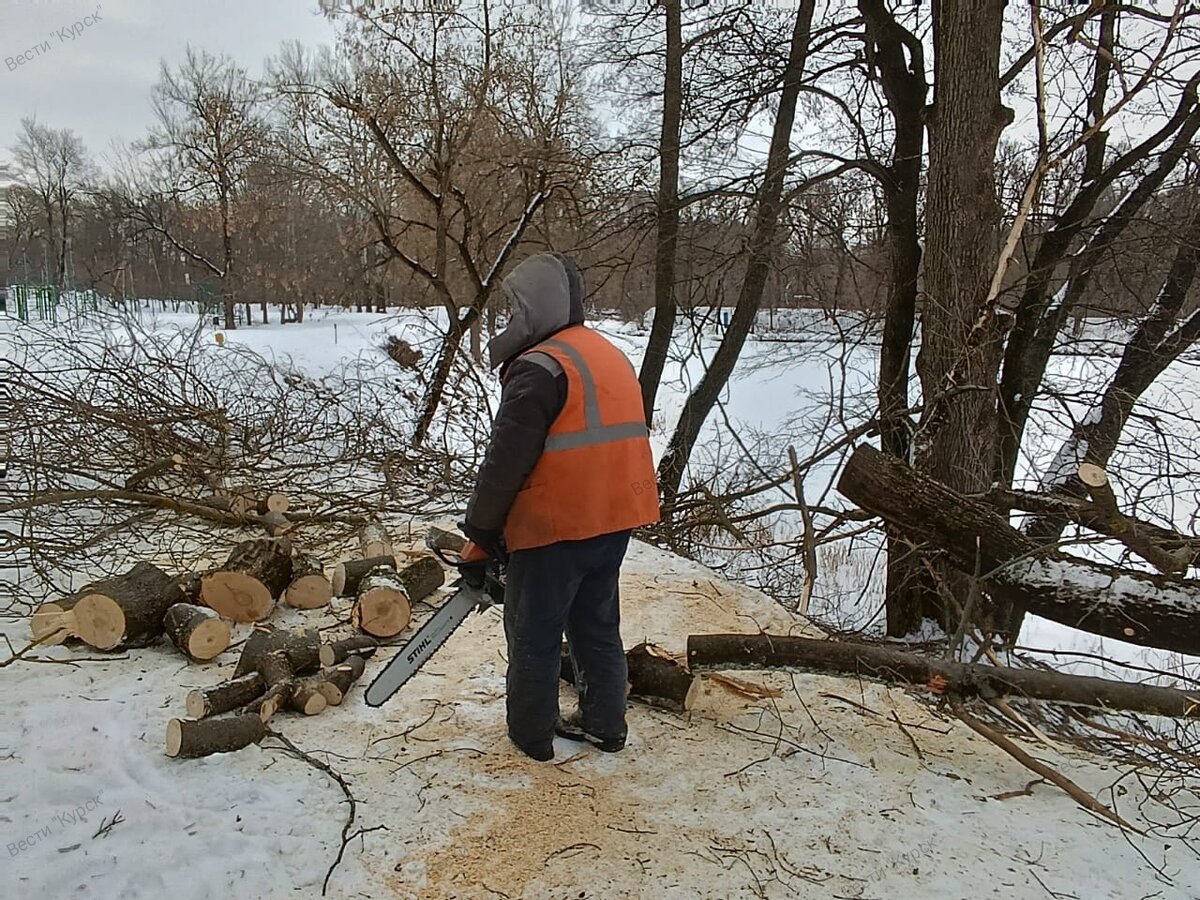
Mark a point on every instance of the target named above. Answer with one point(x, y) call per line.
point(546, 294)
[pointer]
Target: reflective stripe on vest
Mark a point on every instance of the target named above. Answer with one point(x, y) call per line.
point(594, 431)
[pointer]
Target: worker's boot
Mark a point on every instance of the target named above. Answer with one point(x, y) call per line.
point(572, 729)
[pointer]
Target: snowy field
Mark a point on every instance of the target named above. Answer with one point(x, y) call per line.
point(814, 791)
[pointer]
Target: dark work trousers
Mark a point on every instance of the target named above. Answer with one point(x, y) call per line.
point(566, 587)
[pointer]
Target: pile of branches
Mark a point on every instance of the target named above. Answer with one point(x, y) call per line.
point(113, 426)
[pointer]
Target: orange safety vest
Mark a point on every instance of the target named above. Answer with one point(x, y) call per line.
point(596, 473)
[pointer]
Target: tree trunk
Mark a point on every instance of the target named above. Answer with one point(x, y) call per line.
point(661, 330)
point(960, 342)
point(127, 610)
point(1150, 610)
point(769, 203)
point(960, 680)
point(905, 87)
point(198, 633)
point(441, 373)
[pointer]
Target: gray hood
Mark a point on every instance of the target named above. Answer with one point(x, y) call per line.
point(546, 293)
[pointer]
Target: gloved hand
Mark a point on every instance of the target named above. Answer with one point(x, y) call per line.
point(492, 542)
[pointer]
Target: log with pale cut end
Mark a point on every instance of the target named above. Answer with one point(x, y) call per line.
point(301, 647)
point(199, 633)
point(309, 588)
point(337, 680)
point(338, 651)
point(273, 503)
point(655, 677)
point(374, 540)
point(225, 697)
point(348, 575)
point(187, 739)
point(306, 696)
point(279, 676)
point(1093, 475)
point(421, 577)
point(126, 610)
point(382, 607)
point(276, 523)
point(244, 589)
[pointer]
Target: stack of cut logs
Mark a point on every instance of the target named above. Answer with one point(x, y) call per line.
point(278, 669)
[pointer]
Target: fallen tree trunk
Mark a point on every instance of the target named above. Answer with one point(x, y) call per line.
point(309, 588)
point(198, 633)
point(768, 651)
point(245, 588)
point(655, 677)
point(192, 739)
point(1151, 610)
point(126, 610)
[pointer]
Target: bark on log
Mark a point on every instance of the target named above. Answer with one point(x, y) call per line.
point(225, 697)
point(302, 649)
point(198, 633)
point(309, 588)
point(307, 695)
point(421, 577)
point(382, 607)
point(337, 680)
point(374, 541)
point(188, 739)
point(348, 575)
point(276, 524)
point(768, 651)
point(655, 677)
point(279, 676)
point(172, 463)
point(1151, 610)
point(440, 539)
point(244, 589)
point(126, 610)
point(339, 651)
point(1170, 559)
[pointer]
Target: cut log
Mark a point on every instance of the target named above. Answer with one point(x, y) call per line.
point(440, 539)
point(244, 589)
point(189, 739)
point(337, 681)
point(655, 677)
point(1151, 610)
point(348, 575)
point(307, 695)
point(225, 697)
point(126, 610)
point(272, 503)
point(382, 607)
point(279, 677)
point(339, 651)
point(302, 649)
point(198, 633)
point(769, 651)
point(374, 541)
point(421, 577)
point(309, 588)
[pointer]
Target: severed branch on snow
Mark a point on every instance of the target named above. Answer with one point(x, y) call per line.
point(764, 651)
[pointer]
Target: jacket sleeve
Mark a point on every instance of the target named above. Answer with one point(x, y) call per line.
point(531, 400)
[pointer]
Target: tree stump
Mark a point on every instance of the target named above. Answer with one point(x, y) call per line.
point(198, 633)
point(245, 588)
point(192, 739)
point(309, 588)
point(348, 575)
point(126, 610)
point(382, 607)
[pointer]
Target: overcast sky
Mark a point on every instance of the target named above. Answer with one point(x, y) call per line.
point(98, 84)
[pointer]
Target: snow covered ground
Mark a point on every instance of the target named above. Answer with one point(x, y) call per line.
point(796, 795)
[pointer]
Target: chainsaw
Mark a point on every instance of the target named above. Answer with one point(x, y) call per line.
point(480, 584)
